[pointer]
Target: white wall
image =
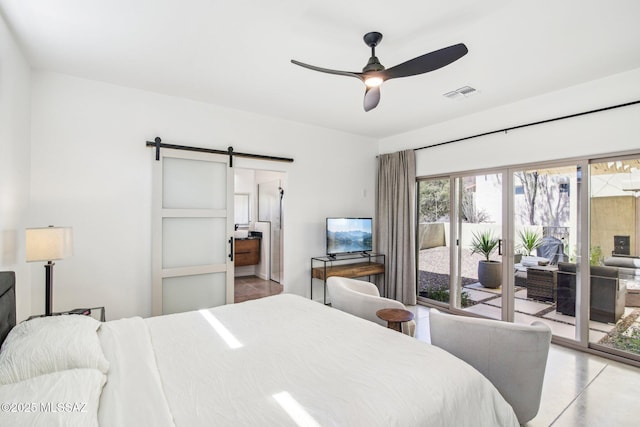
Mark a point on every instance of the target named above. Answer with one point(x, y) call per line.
point(92, 171)
point(606, 132)
point(15, 78)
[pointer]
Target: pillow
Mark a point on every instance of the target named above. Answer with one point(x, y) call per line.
point(622, 261)
point(66, 398)
point(532, 261)
point(49, 344)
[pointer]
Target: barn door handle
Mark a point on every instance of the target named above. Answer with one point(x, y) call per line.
point(231, 248)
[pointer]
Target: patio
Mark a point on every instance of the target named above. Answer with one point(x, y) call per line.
point(434, 266)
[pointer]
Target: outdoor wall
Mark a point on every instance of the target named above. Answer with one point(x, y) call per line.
point(612, 216)
point(432, 235)
point(92, 171)
point(436, 234)
point(15, 78)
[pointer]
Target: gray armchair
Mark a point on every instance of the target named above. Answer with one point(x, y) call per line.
point(512, 356)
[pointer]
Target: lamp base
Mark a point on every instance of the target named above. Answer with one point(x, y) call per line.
point(48, 303)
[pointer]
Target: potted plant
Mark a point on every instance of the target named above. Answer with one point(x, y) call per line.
point(529, 240)
point(489, 271)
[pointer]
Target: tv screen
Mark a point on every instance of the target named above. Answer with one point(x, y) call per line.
point(345, 235)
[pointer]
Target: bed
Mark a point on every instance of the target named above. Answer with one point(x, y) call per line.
point(277, 361)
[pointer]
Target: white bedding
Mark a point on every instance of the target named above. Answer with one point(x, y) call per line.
point(133, 392)
point(281, 361)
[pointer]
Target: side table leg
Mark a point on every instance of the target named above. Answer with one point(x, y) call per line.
point(396, 326)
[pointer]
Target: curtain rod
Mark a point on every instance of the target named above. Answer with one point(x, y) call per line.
point(530, 124)
point(157, 143)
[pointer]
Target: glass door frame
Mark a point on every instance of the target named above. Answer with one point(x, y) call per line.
point(507, 306)
point(508, 243)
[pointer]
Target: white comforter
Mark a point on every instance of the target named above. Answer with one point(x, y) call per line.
point(285, 361)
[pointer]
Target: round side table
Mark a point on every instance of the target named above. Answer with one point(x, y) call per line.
point(394, 317)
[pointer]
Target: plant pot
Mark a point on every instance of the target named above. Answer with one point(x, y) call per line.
point(490, 273)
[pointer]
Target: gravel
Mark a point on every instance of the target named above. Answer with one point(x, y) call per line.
point(433, 266)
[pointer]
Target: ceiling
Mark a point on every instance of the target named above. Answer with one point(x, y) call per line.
point(237, 53)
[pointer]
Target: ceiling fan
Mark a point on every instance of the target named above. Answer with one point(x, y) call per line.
point(374, 73)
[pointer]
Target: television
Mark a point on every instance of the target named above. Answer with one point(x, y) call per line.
point(348, 235)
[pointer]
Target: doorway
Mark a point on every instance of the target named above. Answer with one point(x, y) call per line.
point(261, 200)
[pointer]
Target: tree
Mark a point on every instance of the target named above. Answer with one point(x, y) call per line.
point(433, 200)
point(469, 211)
point(529, 182)
point(433, 203)
point(546, 199)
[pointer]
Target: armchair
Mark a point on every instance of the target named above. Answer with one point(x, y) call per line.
point(512, 356)
point(362, 299)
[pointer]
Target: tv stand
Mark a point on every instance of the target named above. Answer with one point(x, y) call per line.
point(348, 265)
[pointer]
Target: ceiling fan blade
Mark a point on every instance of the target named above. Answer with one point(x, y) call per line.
point(371, 98)
point(327, 70)
point(427, 62)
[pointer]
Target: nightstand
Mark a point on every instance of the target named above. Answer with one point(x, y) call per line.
point(79, 311)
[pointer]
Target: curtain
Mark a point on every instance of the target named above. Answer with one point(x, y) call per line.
point(395, 223)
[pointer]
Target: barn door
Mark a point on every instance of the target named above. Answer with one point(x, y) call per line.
point(192, 262)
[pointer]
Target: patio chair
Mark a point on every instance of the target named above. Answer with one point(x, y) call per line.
point(512, 356)
point(607, 296)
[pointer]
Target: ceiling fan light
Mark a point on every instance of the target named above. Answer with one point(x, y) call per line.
point(373, 81)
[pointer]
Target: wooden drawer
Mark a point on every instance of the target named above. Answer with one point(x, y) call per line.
point(247, 252)
point(360, 269)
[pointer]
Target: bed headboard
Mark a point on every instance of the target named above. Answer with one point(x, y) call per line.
point(7, 303)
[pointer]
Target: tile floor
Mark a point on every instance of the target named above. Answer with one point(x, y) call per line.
point(579, 389)
point(489, 304)
point(253, 287)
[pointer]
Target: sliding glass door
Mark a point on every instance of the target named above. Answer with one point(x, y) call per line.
point(472, 260)
point(479, 285)
point(557, 243)
point(433, 240)
point(614, 304)
point(546, 218)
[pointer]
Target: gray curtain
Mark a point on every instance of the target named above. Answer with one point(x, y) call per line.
point(395, 223)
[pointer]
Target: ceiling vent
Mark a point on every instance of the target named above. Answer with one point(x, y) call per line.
point(463, 92)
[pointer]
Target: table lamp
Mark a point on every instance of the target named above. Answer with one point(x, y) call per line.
point(48, 244)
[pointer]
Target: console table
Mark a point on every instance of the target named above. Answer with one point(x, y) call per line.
point(350, 265)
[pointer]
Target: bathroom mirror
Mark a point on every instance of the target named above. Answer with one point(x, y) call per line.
point(241, 208)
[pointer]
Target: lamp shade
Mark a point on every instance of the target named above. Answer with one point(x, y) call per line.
point(48, 243)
